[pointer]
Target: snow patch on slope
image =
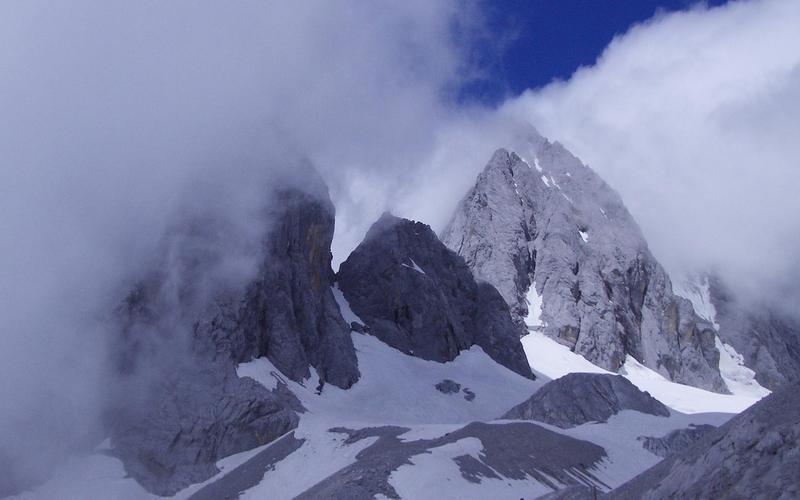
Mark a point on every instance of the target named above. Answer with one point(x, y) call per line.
point(534, 318)
point(394, 389)
point(740, 379)
point(413, 266)
point(322, 454)
point(344, 307)
point(262, 371)
point(684, 398)
point(554, 360)
point(398, 389)
point(696, 289)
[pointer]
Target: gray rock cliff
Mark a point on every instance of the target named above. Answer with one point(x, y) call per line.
point(215, 299)
point(561, 248)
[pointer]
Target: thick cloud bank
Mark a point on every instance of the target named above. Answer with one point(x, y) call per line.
point(119, 114)
point(693, 117)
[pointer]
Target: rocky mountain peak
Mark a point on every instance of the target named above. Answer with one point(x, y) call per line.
point(418, 296)
point(561, 248)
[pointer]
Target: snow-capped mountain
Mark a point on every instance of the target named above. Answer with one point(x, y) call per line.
point(248, 369)
point(565, 253)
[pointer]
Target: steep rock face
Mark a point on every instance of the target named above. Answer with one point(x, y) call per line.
point(419, 297)
point(195, 416)
point(577, 398)
point(290, 314)
point(548, 232)
point(768, 340)
point(219, 297)
point(754, 455)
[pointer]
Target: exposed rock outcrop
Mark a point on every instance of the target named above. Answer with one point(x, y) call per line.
point(754, 455)
point(290, 314)
point(577, 398)
point(548, 232)
point(217, 298)
point(448, 386)
point(418, 296)
point(676, 441)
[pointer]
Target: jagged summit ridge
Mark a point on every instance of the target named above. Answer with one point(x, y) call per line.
point(545, 229)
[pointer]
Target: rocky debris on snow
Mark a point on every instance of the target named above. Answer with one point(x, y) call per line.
point(468, 394)
point(230, 486)
point(577, 398)
point(753, 455)
point(418, 296)
point(548, 233)
point(676, 441)
point(513, 451)
point(448, 386)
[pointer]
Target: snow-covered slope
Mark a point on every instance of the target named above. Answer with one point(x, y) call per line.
point(398, 391)
point(555, 360)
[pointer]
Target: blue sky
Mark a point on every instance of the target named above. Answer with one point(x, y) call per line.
point(533, 42)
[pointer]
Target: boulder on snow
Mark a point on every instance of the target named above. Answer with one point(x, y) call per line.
point(577, 398)
point(448, 386)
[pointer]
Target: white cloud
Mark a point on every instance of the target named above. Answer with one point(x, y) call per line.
point(692, 116)
point(115, 112)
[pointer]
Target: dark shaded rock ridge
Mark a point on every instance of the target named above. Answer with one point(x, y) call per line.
point(418, 296)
